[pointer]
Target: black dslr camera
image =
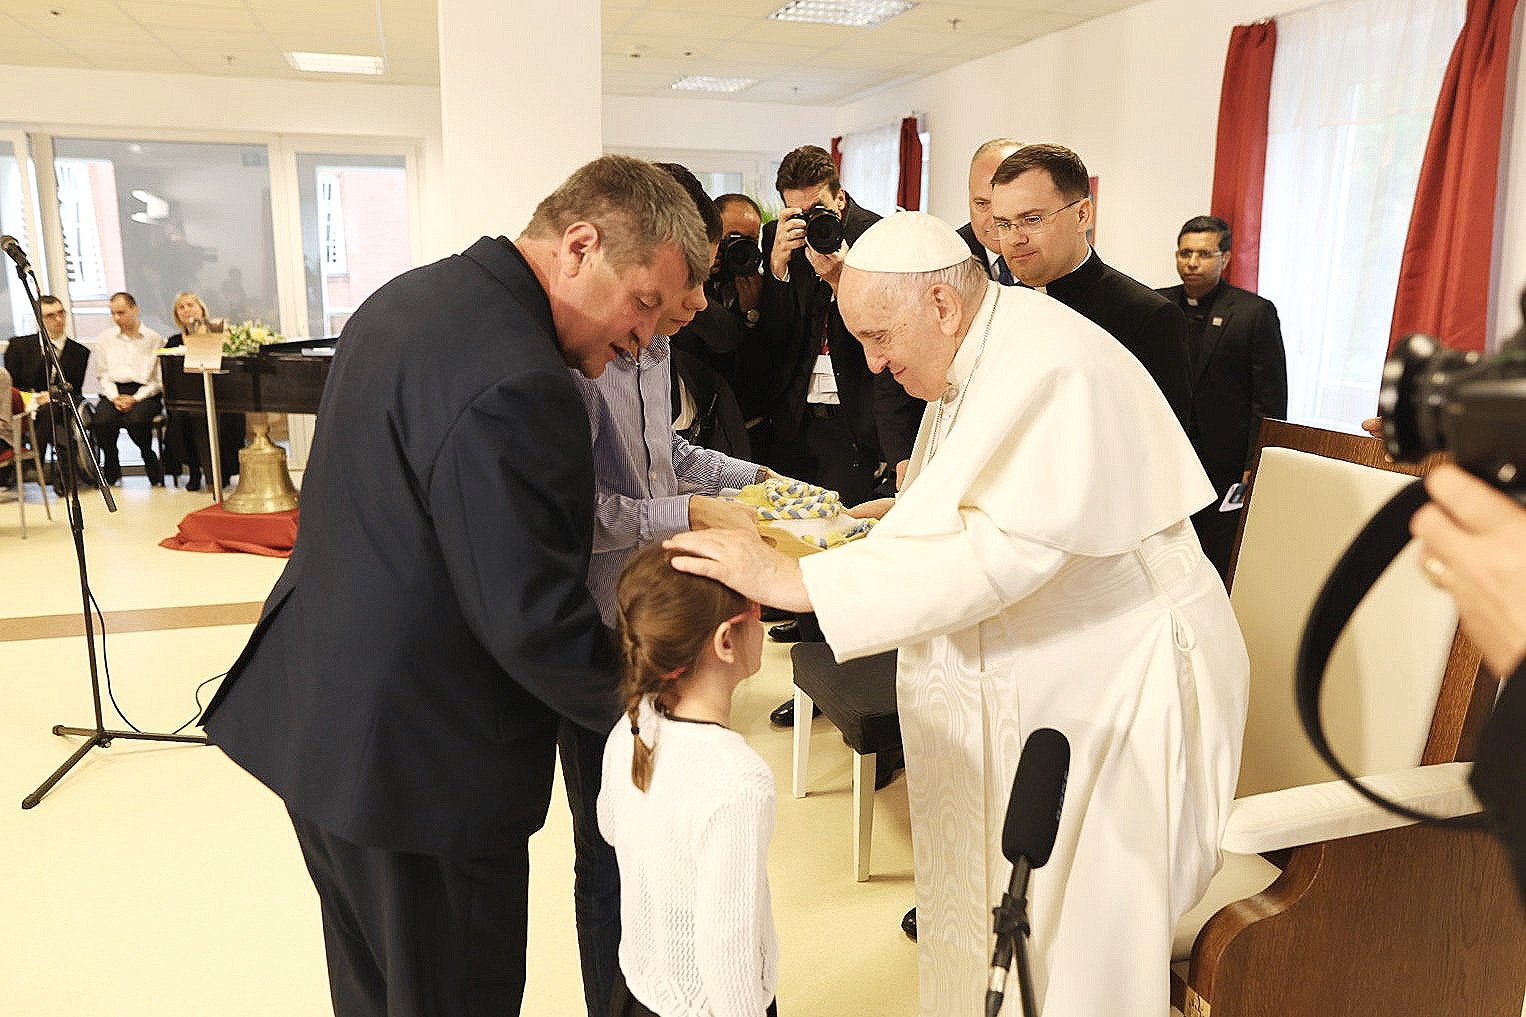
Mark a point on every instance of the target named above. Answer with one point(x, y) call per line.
point(737, 256)
point(1472, 405)
point(823, 229)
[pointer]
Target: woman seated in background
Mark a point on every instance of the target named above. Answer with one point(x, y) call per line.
point(186, 433)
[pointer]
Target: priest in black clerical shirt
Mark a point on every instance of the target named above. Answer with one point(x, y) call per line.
point(1042, 213)
point(1238, 369)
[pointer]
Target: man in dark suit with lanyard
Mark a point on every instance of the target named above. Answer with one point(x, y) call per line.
point(1042, 214)
point(832, 422)
point(1238, 370)
point(403, 688)
point(977, 233)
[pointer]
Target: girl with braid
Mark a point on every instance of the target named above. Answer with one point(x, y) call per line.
point(687, 805)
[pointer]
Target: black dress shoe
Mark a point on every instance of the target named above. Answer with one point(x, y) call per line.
point(193, 482)
point(909, 925)
point(784, 714)
point(789, 632)
point(773, 614)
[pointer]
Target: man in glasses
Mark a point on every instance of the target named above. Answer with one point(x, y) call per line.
point(1042, 213)
point(1238, 370)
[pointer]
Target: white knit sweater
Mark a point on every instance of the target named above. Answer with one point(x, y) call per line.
point(697, 930)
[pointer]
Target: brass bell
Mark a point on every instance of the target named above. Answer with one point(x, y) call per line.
point(264, 485)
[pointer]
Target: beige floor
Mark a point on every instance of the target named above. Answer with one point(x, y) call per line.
point(161, 881)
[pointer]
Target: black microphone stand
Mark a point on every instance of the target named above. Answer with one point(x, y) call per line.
point(74, 429)
point(1012, 930)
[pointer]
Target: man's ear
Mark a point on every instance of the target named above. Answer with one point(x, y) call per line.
point(578, 241)
point(1224, 264)
point(948, 303)
point(1086, 214)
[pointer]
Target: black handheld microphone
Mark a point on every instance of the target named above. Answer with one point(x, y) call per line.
point(1033, 820)
point(12, 247)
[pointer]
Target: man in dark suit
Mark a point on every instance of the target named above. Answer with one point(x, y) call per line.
point(1042, 213)
point(1237, 367)
point(977, 233)
point(403, 688)
point(29, 372)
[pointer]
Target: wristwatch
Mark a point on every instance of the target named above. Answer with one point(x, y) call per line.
point(752, 316)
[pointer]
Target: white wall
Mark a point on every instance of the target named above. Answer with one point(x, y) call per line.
point(717, 124)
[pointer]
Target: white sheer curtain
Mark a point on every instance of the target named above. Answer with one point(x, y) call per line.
point(1354, 87)
point(871, 167)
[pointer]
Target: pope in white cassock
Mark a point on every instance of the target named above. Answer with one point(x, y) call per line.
point(1037, 570)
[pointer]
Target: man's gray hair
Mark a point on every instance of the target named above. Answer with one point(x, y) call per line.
point(968, 277)
point(636, 208)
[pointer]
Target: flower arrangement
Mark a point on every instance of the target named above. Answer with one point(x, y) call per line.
point(246, 338)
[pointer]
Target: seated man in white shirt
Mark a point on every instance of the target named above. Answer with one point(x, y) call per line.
point(127, 371)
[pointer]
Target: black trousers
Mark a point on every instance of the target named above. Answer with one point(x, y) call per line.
point(419, 936)
point(109, 421)
point(623, 1004)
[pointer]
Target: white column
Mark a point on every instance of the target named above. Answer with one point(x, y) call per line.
point(520, 108)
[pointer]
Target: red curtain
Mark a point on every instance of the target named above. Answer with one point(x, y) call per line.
point(1239, 164)
point(1444, 277)
point(837, 153)
point(908, 193)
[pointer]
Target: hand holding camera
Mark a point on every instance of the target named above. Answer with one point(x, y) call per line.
point(819, 229)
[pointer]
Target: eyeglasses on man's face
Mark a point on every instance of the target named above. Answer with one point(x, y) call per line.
point(1034, 222)
point(1187, 254)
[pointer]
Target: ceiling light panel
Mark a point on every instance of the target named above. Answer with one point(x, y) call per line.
point(852, 13)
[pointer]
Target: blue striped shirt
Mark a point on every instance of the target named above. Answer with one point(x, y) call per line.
point(643, 470)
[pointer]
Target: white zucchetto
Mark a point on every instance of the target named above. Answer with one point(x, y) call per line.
point(908, 242)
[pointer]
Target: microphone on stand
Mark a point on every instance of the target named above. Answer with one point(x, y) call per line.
point(12, 247)
point(1033, 820)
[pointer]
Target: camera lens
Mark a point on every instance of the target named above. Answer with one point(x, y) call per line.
point(739, 255)
point(1417, 382)
point(823, 229)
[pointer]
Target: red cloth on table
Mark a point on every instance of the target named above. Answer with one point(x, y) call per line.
point(214, 529)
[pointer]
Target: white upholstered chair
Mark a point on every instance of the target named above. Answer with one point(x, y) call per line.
point(1327, 905)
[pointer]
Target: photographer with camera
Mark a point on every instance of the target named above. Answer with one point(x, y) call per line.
point(833, 423)
point(717, 356)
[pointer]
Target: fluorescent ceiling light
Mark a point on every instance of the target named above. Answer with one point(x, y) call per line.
point(855, 13)
point(336, 63)
point(702, 83)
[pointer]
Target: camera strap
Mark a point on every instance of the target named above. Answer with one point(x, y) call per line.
point(1369, 555)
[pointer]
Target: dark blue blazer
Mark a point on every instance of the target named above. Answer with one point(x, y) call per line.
point(406, 679)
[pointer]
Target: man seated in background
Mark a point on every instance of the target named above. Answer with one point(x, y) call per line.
point(127, 372)
point(29, 372)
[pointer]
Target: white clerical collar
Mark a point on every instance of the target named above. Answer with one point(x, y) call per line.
point(1192, 301)
point(58, 344)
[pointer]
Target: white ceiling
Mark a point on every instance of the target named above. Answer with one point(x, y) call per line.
point(648, 44)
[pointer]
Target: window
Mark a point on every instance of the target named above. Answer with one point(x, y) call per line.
point(1354, 89)
point(16, 317)
point(154, 218)
point(871, 167)
point(355, 232)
